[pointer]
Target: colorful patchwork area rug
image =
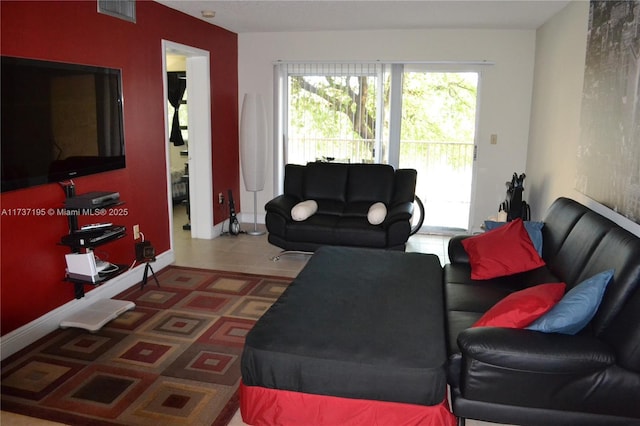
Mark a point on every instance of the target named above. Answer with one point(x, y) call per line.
point(173, 360)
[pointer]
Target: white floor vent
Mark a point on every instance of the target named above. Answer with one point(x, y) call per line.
point(123, 9)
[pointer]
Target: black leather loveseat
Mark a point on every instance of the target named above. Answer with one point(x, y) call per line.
point(527, 377)
point(344, 194)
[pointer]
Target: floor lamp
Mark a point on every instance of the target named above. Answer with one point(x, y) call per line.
point(253, 159)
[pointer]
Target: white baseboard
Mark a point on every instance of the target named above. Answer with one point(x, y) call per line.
point(247, 218)
point(21, 337)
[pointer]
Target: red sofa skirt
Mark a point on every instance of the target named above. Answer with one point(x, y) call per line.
point(262, 406)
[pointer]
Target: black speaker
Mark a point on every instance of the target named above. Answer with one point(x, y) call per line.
point(145, 252)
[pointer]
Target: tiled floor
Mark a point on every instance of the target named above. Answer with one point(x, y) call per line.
point(253, 254)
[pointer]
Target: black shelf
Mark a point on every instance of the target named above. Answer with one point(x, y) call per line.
point(102, 278)
point(78, 240)
point(93, 211)
point(88, 240)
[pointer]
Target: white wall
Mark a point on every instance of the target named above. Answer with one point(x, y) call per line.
point(555, 115)
point(505, 93)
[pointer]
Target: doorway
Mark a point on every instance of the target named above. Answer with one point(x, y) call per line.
point(178, 147)
point(197, 158)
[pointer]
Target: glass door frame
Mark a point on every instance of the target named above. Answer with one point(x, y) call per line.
point(395, 123)
point(396, 71)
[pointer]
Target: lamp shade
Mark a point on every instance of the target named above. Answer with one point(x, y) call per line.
point(253, 141)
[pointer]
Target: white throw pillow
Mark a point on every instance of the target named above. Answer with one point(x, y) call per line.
point(303, 210)
point(377, 213)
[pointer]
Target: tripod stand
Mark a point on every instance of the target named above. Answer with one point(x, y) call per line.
point(147, 268)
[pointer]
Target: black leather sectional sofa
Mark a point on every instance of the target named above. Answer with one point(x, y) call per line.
point(343, 193)
point(528, 377)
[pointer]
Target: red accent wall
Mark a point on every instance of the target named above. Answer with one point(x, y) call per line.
point(32, 263)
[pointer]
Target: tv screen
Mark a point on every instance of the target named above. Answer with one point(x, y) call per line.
point(59, 121)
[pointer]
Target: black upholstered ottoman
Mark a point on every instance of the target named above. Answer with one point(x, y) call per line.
point(355, 323)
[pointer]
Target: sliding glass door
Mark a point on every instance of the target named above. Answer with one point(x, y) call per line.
point(437, 138)
point(408, 116)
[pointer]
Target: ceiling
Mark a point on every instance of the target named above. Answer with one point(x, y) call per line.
point(245, 16)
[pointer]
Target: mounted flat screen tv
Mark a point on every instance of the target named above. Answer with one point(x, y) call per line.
point(59, 121)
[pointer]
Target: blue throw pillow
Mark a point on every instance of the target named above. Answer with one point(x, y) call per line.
point(534, 229)
point(576, 308)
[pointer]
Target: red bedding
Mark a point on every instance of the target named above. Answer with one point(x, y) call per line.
point(263, 406)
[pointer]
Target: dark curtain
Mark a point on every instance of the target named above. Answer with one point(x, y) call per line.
point(177, 84)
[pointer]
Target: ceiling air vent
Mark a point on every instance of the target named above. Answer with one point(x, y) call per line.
point(123, 9)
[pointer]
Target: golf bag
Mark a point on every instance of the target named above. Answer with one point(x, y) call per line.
point(514, 206)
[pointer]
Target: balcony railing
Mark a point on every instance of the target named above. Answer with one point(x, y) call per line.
point(303, 150)
point(445, 172)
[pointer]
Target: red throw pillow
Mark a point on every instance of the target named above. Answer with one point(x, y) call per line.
point(502, 251)
point(523, 307)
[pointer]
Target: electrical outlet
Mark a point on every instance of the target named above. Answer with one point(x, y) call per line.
point(136, 232)
point(220, 198)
